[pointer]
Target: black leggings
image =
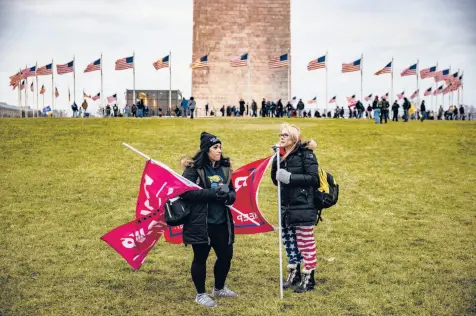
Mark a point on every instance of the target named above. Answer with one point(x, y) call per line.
point(218, 235)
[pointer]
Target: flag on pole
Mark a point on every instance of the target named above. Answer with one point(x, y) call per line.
point(95, 65)
point(85, 95)
point(401, 95)
point(112, 98)
point(200, 62)
point(318, 63)
point(438, 91)
point(32, 88)
point(125, 63)
point(351, 67)
point(278, 62)
point(428, 72)
point(45, 70)
point(56, 92)
point(385, 96)
point(312, 101)
point(96, 97)
point(452, 78)
point(69, 95)
point(410, 71)
point(415, 94)
point(385, 70)
point(22, 86)
point(442, 75)
point(333, 99)
point(427, 92)
point(29, 72)
point(66, 68)
point(239, 61)
point(367, 98)
point(161, 63)
point(351, 99)
point(294, 98)
point(15, 79)
point(43, 90)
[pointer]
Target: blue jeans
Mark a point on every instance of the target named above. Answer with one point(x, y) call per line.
point(405, 115)
point(377, 116)
point(139, 113)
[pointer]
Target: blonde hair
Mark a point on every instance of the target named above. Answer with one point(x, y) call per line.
point(294, 134)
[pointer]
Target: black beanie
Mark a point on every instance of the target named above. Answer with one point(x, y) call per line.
point(207, 141)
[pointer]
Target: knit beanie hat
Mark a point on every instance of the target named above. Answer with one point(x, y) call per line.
point(208, 140)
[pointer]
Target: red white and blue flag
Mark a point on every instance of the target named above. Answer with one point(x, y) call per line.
point(312, 101)
point(29, 72)
point(442, 75)
point(278, 62)
point(318, 63)
point(401, 95)
point(350, 67)
point(45, 70)
point(438, 91)
point(427, 92)
point(96, 97)
point(385, 70)
point(333, 99)
point(239, 61)
point(94, 66)
point(428, 72)
point(161, 63)
point(351, 99)
point(415, 94)
point(410, 71)
point(367, 98)
point(125, 63)
point(112, 98)
point(66, 68)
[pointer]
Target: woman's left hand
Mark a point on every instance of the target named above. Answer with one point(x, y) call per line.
point(283, 176)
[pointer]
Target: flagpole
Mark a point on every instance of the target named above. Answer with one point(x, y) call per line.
point(436, 87)
point(37, 96)
point(74, 79)
point(361, 75)
point(26, 93)
point(19, 94)
point(134, 76)
point(326, 100)
point(391, 84)
point(417, 86)
point(278, 162)
point(102, 94)
point(170, 82)
point(249, 77)
point(289, 78)
point(449, 100)
point(52, 90)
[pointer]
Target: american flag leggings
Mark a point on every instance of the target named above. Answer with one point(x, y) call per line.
point(300, 246)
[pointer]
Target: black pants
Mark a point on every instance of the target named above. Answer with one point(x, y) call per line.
point(218, 235)
point(191, 115)
point(254, 113)
point(395, 116)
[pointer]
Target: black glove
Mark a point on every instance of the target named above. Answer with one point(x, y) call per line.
point(221, 196)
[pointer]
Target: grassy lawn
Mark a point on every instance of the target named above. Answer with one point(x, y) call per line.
point(401, 240)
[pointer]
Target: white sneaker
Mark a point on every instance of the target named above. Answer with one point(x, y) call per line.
point(224, 292)
point(205, 300)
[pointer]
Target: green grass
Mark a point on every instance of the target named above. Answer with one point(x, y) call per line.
point(403, 234)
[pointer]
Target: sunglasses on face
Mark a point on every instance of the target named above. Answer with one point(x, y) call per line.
point(285, 135)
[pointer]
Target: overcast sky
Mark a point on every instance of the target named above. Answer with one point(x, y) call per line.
point(429, 30)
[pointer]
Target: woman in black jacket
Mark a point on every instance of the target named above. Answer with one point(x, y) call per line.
point(299, 178)
point(210, 224)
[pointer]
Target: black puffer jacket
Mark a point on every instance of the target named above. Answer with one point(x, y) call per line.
point(195, 231)
point(297, 197)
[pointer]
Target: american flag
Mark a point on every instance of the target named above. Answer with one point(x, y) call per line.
point(385, 70)
point(428, 72)
point(447, 89)
point(56, 92)
point(367, 98)
point(442, 75)
point(22, 86)
point(294, 98)
point(385, 96)
point(333, 100)
point(452, 78)
point(318, 63)
point(461, 78)
point(351, 99)
point(95, 65)
point(438, 91)
point(401, 95)
point(312, 101)
point(200, 62)
point(85, 95)
point(415, 94)
point(31, 87)
point(69, 95)
point(45, 70)
point(161, 63)
point(43, 90)
point(29, 72)
point(410, 71)
point(278, 62)
point(125, 63)
point(66, 68)
point(427, 92)
point(355, 66)
point(239, 61)
point(97, 96)
point(112, 98)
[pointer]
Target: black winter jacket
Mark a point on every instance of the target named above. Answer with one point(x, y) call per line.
point(297, 197)
point(195, 230)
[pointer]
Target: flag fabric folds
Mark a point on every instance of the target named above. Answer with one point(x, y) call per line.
point(427, 92)
point(125, 63)
point(351, 67)
point(95, 65)
point(66, 68)
point(442, 75)
point(385, 70)
point(239, 61)
point(333, 99)
point(401, 95)
point(112, 98)
point(43, 90)
point(96, 97)
point(414, 95)
point(351, 99)
point(45, 70)
point(278, 62)
point(367, 98)
point(32, 88)
point(318, 63)
point(56, 92)
point(312, 101)
point(428, 72)
point(161, 63)
point(200, 62)
point(410, 71)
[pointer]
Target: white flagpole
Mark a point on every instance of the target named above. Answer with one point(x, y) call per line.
point(361, 75)
point(449, 95)
point(391, 84)
point(289, 73)
point(170, 82)
point(436, 87)
point(26, 95)
point(102, 94)
point(52, 89)
point(326, 100)
point(74, 79)
point(249, 78)
point(280, 229)
point(37, 96)
point(20, 105)
point(134, 76)
point(417, 86)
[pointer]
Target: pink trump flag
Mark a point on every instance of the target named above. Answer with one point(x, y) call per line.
point(134, 240)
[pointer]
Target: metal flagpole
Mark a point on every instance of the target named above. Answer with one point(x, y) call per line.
point(52, 90)
point(134, 76)
point(436, 87)
point(249, 78)
point(289, 74)
point(74, 79)
point(37, 96)
point(391, 84)
point(417, 86)
point(280, 228)
point(361, 75)
point(170, 82)
point(102, 95)
point(449, 95)
point(26, 95)
point(326, 100)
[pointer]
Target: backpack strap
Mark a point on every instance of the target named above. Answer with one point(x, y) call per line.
point(201, 176)
point(227, 174)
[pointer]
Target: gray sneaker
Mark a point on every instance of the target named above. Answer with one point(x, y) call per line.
point(224, 292)
point(205, 300)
